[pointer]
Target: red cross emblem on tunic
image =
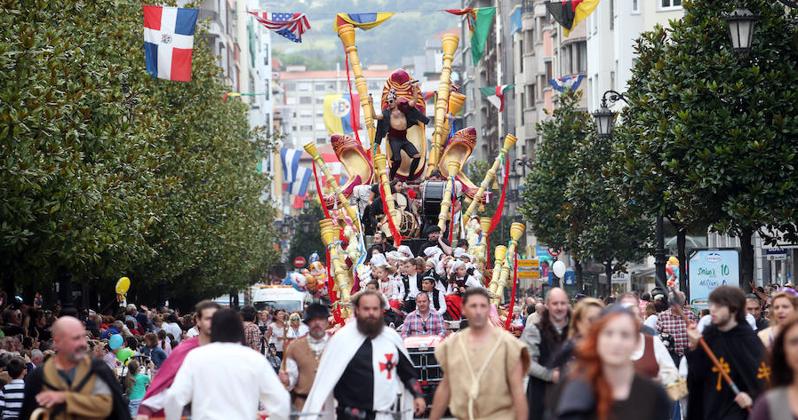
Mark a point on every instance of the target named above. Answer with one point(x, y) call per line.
point(388, 365)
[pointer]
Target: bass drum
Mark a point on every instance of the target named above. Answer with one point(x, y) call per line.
point(431, 197)
point(406, 223)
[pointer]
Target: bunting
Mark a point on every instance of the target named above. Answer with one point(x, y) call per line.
point(364, 21)
point(288, 25)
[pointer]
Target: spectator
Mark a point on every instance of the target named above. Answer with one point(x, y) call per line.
point(13, 392)
point(136, 384)
point(252, 335)
point(172, 327)
point(671, 322)
point(423, 321)
point(164, 342)
point(153, 350)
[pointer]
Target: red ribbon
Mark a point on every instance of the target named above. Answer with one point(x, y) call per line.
point(498, 215)
point(509, 319)
point(397, 237)
point(319, 190)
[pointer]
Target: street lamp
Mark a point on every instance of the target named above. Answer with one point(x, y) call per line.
point(605, 118)
point(741, 29)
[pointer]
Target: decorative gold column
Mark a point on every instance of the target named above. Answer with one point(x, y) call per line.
point(343, 278)
point(449, 45)
point(332, 185)
point(446, 202)
point(490, 176)
point(484, 224)
point(347, 34)
point(516, 231)
point(499, 255)
point(456, 102)
point(380, 164)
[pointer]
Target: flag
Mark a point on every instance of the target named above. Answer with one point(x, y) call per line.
point(290, 158)
point(341, 113)
point(169, 41)
point(479, 20)
point(300, 185)
point(289, 25)
point(495, 95)
point(570, 82)
point(568, 13)
point(364, 21)
point(515, 20)
point(264, 166)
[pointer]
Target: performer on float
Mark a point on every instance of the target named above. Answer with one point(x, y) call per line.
point(483, 368)
point(394, 122)
point(364, 368)
point(302, 356)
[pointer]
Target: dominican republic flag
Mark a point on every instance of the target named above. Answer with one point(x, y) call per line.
point(289, 25)
point(495, 95)
point(290, 158)
point(568, 13)
point(169, 41)
point(570, 82)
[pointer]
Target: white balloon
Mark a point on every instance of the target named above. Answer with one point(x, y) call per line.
point(558, 268)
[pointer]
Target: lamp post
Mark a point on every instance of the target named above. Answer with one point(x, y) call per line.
point(605, 120)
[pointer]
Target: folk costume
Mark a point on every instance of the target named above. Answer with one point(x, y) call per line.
point(478, 375)
point(365, 376)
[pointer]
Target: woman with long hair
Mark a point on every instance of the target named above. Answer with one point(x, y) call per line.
point(782, 307)
point(781, 402)
point(585, 313)
point(604, 384)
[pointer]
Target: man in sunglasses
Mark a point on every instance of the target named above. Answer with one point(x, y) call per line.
point(393, 121)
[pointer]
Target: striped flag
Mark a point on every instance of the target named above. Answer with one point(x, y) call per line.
point(495, 95)
point(300, 186)
point(336, 168)
point(364, 21)
point(568, 13)
point(289, 25)
point(290, 159)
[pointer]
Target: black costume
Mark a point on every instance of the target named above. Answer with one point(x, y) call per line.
point(355, 390)
point(742, 350)
point(397, 139)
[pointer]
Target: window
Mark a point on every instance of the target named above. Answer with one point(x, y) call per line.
point(303, 87)
point(549, 71)
point(320, 87)
point(321, 140)
point(305, 128)
point(635, 6)
point(529, 38)
point(530, 95)
point(522, 107)
point(670, 4)
point(612, 14)
point(521, 55)
point(305, 100)
point(319, 100)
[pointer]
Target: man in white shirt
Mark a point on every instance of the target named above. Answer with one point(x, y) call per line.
point(226, 380)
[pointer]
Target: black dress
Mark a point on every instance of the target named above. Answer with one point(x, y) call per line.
point(647, 400)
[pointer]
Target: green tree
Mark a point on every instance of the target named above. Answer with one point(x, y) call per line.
point(710, 134)
point(307, 236)
point(108, 172)
point(547, 209)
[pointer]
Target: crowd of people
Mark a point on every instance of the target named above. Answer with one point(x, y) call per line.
point(629, 356)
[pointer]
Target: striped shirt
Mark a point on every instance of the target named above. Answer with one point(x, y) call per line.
point(11, 399)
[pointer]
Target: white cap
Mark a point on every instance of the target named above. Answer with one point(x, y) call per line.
point(432, 251)
point(379, 260)
point(405, 250)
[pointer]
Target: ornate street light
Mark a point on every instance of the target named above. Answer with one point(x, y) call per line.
point(605, 118)
point(741, 29)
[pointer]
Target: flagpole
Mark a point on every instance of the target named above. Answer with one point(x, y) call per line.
point(499, 76)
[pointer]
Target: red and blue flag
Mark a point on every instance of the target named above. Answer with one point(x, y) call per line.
point(169, 41)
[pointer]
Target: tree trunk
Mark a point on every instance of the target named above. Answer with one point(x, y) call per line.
point(578, 275)
point(608, 273)
point(746, 258)
point(9, 287)
point(681, 243)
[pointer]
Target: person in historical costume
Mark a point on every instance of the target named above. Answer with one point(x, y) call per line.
point(393, 121)
point(301, 358)
point(483, 368)
point(365, 369)
point(740, 353)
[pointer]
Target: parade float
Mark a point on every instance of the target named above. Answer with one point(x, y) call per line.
point(432, 168)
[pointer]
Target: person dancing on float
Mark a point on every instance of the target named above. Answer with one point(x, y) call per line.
point(394, 121)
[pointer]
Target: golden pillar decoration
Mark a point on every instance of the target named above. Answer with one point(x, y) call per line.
point(343, 278)
point(490, 176)
point(332, 185)
point(484, 224)
point(449, 46)
point(456, 102)
point(446, 203)
point(516, 231)
point(499, 255)
point(347, 34)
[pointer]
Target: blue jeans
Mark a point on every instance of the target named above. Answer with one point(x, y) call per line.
point(134, 407)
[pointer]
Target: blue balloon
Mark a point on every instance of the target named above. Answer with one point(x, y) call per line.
point(116, 341)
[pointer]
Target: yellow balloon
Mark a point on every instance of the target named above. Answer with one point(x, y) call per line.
point(122, 285)
point(673, 261)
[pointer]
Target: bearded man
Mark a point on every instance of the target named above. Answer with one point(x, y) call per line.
point(364, 367)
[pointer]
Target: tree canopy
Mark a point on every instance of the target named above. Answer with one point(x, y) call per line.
point(108, 172)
